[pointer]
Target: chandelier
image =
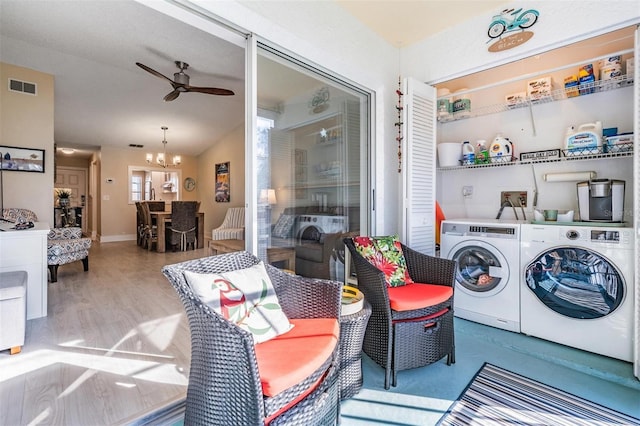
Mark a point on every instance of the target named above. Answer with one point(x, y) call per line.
point(161, 158)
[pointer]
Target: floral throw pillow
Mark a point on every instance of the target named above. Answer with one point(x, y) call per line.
point(245, 297)
point(385, 253)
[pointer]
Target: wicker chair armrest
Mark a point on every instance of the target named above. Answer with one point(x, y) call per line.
point(302, 297)
point(370, 281)
point(429, 269)
point(214, 372)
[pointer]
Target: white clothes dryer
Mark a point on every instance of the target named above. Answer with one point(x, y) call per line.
point(578, 288)
point(487, 279)
point(312, 226)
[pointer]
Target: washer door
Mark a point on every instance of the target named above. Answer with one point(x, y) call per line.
point(482, 270)
point(575, 282)
point(311, 232)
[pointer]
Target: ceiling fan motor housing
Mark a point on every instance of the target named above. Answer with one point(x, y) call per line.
point(181, 78)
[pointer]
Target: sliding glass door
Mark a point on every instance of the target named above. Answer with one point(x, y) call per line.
point(311, 155)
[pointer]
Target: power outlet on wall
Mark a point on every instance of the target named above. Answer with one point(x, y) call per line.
point(517, 198)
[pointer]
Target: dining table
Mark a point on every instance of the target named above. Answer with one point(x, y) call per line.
point(163, 219)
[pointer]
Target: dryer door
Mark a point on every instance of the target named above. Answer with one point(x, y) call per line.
point(482, 271)
point(575, 282)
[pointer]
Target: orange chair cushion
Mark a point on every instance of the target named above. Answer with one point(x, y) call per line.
point(289, 358)
point(417, 295)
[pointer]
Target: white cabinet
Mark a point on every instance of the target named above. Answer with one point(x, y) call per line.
point(26, 250)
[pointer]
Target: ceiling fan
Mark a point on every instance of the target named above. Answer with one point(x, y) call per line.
point(180, 82)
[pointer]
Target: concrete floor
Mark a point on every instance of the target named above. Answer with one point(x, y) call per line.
point(424, 394)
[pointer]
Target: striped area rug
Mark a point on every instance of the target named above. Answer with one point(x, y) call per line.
point(499, 397)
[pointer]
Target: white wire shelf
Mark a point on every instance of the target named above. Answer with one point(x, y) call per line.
point(584, 89)
point(623, 150)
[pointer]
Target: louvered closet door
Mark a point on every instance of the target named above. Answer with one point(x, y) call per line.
point(419, 167)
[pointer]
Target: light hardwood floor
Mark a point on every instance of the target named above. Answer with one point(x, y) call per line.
point(114, 346)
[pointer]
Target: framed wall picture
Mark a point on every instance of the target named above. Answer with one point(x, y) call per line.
point(223, 179)
point(17, 159)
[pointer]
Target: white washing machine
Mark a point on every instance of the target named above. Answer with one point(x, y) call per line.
point(488, 279)
point(311, 226)
point(577, 287)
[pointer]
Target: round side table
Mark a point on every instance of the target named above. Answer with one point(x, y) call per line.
point(352, 328)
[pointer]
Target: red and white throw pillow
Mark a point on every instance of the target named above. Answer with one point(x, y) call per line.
point(245, 297)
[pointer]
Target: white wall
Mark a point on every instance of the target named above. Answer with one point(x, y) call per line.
point(26, 121)
point(463, 49)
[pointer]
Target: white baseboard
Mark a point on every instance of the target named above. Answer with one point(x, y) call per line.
point(116, 238)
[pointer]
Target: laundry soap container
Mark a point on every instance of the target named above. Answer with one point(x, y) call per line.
point(586, 139)
point(449, 154)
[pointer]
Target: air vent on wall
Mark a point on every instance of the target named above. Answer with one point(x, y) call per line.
point(22, 87)
point(135, 145)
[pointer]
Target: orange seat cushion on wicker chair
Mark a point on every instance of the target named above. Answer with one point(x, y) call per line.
point(289, 358)
point(415, 296)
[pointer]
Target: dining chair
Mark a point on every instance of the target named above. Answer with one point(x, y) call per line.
point(139, 224)
point(183, 224)
point(411, 295)
point(150, 230)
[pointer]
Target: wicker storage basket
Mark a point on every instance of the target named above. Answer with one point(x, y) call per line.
point(423, 342)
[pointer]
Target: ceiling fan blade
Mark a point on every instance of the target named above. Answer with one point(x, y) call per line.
point(154, 72)
point(210, 90)
point(171, 96)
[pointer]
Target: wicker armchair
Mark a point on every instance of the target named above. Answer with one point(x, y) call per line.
point(225, 385)
point(403, 339)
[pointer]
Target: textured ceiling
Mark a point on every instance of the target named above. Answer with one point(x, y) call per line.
point(403, 22)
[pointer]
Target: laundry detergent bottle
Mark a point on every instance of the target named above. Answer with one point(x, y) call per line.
point(501, 150)
point(468, 154)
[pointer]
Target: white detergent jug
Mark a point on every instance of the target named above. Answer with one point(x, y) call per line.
point(468, 154)
point(501, 150)
point(587, 139)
